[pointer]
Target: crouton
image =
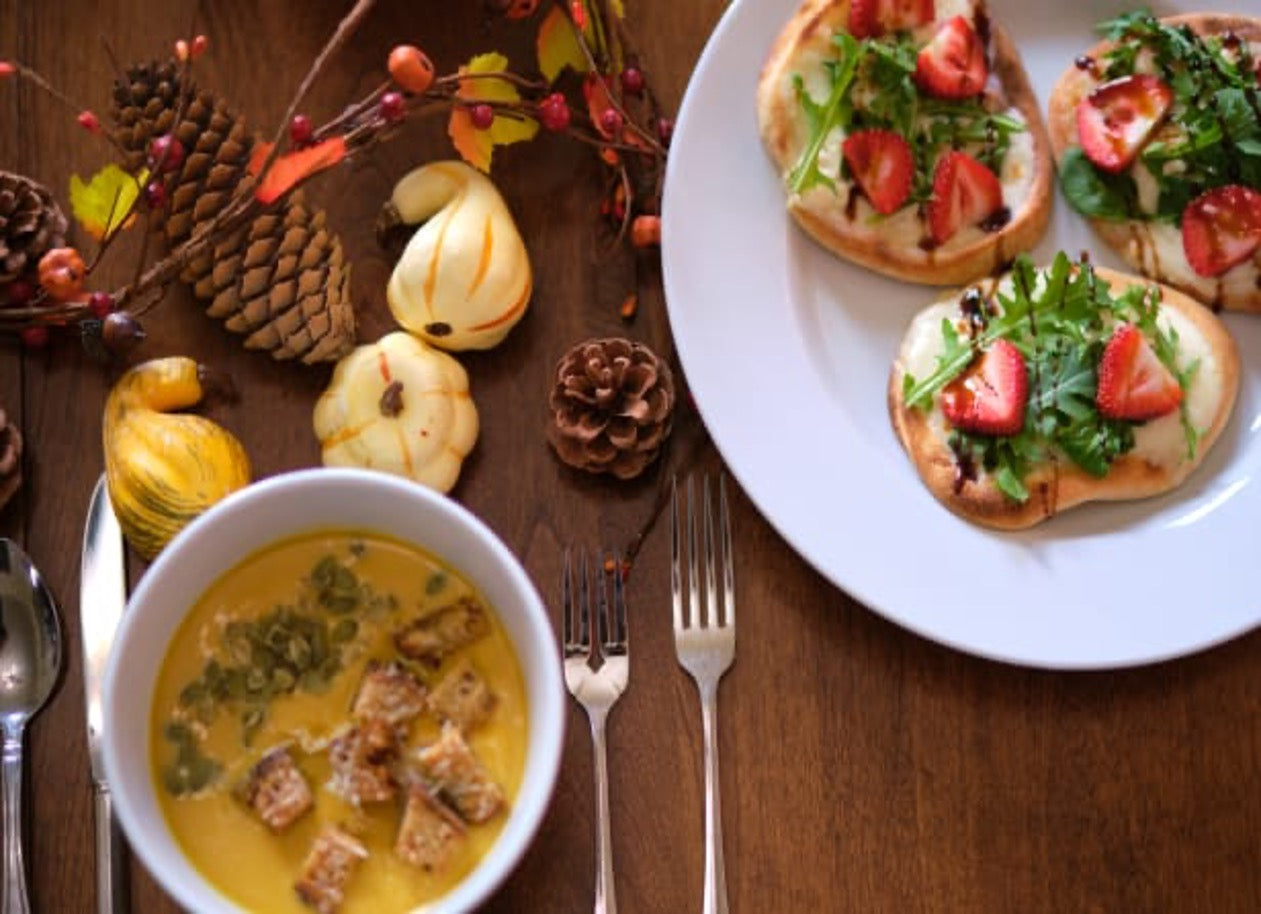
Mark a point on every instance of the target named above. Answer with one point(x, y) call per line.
point(437, 634)
point(463, 698)
point(429, 833)
point(276, 790)
point(362, 759)
point(328, 868)
point(388, 692)
point(451, 765)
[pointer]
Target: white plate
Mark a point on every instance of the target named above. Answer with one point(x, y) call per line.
point(787, 350)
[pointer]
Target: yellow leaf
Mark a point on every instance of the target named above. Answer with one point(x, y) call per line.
point(558, 47)
point(477, 146)
point(618, 10)
point(103, 204)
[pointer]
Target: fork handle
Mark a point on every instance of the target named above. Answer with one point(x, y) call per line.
point(605, 897)
point(715, 894)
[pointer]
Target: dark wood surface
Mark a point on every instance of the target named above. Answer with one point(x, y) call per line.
point(863, 769)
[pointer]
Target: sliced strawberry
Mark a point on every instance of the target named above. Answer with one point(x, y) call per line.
point(882, 165)
point(872, 18)
point(1116, 119)
point(989, 397)
point(1221, 228)
point(965, 192)
point(952, 64)
point(1133, 382)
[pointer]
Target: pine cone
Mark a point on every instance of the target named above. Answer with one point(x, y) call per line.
point(31, 224)
point(10, 459)
point(283, 280)
point(612, 404)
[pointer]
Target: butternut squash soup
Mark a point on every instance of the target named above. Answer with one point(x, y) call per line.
point(340, 725)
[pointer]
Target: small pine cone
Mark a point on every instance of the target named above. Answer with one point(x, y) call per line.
point(612, 404)
point(283, 280)
point(31, 224)
point(10, 459)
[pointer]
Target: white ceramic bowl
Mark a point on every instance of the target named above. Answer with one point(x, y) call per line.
point(274, 509)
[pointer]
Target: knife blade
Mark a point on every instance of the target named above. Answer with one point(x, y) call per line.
point(102, 597)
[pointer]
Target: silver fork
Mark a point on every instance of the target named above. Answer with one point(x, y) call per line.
point(598, 688)
point(705, 641)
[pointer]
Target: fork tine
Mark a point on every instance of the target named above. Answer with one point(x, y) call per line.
point(584, 607)
point(621, 631)
point(567, 603)
point(711, 576)
point(728, 565)
point(695, 617)
point(676, 565)
point(603, 631)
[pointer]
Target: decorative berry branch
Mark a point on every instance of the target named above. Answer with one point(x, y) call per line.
point(611, 109)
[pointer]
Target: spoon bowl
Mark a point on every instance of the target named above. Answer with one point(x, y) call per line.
point(30, 662)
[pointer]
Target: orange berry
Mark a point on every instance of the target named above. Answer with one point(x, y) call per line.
point(181, 50)
point(61, 273)
point(411, 68)
point(646, 231)
point(579, 14)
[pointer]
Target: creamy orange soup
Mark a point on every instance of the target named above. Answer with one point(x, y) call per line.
point(220, 705)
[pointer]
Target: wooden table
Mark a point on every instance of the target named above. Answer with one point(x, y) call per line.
point(864, 769)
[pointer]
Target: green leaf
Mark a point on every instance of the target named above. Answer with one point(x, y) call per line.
point(103, 204)
point(1094, 193)
point(835, 112)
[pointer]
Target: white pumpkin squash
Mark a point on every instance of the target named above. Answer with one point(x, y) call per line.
point(464, 279)
point(401, 406)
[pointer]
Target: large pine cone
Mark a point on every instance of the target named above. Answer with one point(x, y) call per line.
point(31, 224)
point(612, 404)
point(283, 280)
point(10, 459)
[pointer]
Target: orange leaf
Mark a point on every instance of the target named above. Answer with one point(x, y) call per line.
point(473, 145)
point(293, 167)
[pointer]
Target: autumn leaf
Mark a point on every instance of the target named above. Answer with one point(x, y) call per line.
point(558, 47)
point(103, 204)
point(477, 146)
point(293, 167)
point(595, 89)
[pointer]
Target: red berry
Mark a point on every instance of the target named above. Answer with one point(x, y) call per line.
point(554, 113)
point(392, 107)
point(611, 122)
point(89, 122)
point(18, 293)
point(1133, 382)
point(100, 304)
point(579, 13)
point(199, 46)
point(665, 130)
point(633, 80)
point(7, 69)
point(167, 150)
point(35, 337)
point(989, 397)
point(300, 130)
point(482, 116)
point(154, 195)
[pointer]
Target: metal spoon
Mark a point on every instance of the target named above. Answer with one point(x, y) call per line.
point(30, 660)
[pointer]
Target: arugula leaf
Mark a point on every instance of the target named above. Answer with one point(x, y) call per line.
point(1096, 193)
point(821, 119)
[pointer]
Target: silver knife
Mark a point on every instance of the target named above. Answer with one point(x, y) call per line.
point(102, 596)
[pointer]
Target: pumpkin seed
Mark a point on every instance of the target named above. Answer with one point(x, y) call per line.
point(436, 583)
point(345, 630)
point(283, 680)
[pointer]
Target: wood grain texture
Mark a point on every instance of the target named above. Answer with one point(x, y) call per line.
point(864, 769)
